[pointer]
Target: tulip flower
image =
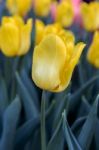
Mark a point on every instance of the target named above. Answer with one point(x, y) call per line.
point(77, 14)
point(42, 7)
point(53, 10)
point(64, 13)
point(93, 53)
point(15, 36)
point(90, 15)
point(54, 60)
point(19, 7)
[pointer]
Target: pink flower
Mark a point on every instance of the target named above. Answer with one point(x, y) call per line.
point(53, 11)
point(76, 6)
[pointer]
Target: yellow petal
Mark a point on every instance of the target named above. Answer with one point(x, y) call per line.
point(23, 6)
point(20, 7)
point(66, 73)
point(42, 7)
point(69, 40)
point(6, 20)
point(9, 39)
point(18, 21)
point(52, 28)
point(12, 6)
point(25, 38)
point(48, 61)
point(39, 31)
point(93, 52)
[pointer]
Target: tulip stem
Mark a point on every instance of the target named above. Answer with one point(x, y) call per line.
point(43, 130)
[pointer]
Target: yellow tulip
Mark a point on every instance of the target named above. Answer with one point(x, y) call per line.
point(42, 7)
point(90, 15)
point(15, 36)
point(20, 7)
point(93, 53)
point(39, 25)
point(64, 13)
point(54, 61)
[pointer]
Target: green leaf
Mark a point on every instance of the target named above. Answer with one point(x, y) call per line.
point(84, 108)
point(63, 104)
point(77, 125)
point(69, 137)
point(3, 95)
point(25, 132)
point(29, 106)
point(88, 129)
point(10, 121)
point(30, 87)
point(57, 139)
point(75, 98)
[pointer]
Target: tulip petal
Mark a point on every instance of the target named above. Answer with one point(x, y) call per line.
point(69, 40)
point(20, 7)
point(9, 39)
point(68, 70)
point(25, 38)
point(42, 7)
point(7, 20)
point(93, 52)
point(48, 61)
point(23, 6)
point(39, 31)
point(18, 21)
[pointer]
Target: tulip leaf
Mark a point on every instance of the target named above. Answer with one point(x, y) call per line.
point(63, 104)
point(69, 137)
point(88, 129)
point(97, 134)
point(10, 120)
point(84, 107)
point(24, 133)
point(57, 139)
point(29, 106)
point(77, 125)
point(30, 87)
point(3, 95)
point(75, 98)
point(80, 70)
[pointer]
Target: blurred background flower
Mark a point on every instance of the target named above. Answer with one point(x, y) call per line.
point(93, 53)
point(19, 7)
point(90, 15)
point(15, 36)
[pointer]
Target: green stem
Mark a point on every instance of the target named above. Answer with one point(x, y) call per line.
point(43, 130)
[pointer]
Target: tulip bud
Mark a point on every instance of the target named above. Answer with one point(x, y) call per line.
point(54, 61)
point(19, 7)
point(64, 13)
point(90, 15)
point(42, 7)
point(15, 36)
